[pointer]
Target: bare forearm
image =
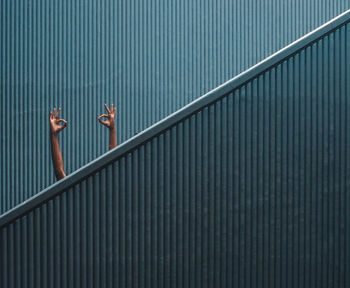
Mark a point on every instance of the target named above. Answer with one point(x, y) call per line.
point(110, 123)
point(112, 138)
point(57, 157)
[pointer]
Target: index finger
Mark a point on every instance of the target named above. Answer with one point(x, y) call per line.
point(62, 120)
point(107, 109)
point(102, 116)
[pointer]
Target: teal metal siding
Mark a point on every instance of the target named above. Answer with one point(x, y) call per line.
point(246, 187)
point(148, 57)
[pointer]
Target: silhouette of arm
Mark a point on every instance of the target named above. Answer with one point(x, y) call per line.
point(110, 124)
point(55, 128)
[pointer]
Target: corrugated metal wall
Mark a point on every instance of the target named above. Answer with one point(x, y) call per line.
point(148, 57)
point(249, 191)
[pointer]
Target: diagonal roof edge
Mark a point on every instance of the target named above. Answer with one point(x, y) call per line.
point(172, 119)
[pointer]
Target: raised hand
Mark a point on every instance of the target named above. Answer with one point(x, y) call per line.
point(55, 126)
point(110, 123)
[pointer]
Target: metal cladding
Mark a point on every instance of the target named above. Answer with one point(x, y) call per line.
point(245, 187)
point(150, 58)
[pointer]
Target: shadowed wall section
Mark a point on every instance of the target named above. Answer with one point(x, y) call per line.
point(248, 190)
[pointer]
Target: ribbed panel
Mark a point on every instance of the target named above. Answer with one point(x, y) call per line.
point(148, 57)
point(250, 191)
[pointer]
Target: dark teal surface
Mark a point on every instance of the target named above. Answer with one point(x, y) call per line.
point(247, 189)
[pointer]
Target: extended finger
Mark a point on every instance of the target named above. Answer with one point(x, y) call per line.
point(50, 114)
point(62, 121)
point(103, 115)
point(109, 112)
point(54, 112)
point(58, 113)
point(112, 109)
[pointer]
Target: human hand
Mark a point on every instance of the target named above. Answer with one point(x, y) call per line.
point(110, 123)
point(55, 127)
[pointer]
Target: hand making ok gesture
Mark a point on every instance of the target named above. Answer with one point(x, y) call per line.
point(110, 123)
point(55, 126)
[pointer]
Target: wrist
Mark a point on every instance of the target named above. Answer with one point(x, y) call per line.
point(53, 133)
